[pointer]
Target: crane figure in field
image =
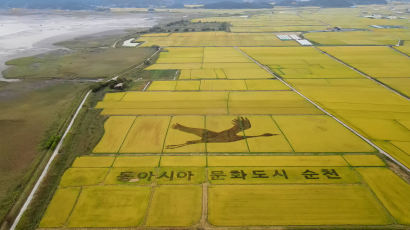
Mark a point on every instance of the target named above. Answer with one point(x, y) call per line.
point(208, 136)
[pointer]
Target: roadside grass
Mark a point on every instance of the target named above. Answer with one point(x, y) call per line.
point(32, 111)
point(84, 135)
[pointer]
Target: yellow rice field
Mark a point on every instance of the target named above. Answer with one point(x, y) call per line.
point(146, 135)
point(376, 61)
point(208, 103)
point(175, 136)
point(218, 85)
point(220, 123)
point(358, 37)
point(391, 190)
point(136, 161)
point(60, 207)
point(366, 106)
point(166, 206)
point(187, 85)
point(199, 161)
point(215, 39)
point(121, 206)
point(300, 62)
point(227, 145)
point(91, 161)
point(83, 176)
point(252, 205)
point(363, 160)
point(209, 63)
point(115, 130)
point(320, 134)
point(262, 125)
point(400, 84)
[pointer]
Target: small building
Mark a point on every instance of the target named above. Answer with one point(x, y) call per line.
point(119, 86)
point(294, 37)
point(283, 37)
point(304, 42)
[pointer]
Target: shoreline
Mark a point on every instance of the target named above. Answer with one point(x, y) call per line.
point(46, 41)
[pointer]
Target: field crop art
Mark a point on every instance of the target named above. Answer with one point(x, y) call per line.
point(253, 131)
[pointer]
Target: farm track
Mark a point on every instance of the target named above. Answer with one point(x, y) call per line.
point(329, 114)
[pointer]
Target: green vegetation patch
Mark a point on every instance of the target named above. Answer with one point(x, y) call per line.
point(86, 63)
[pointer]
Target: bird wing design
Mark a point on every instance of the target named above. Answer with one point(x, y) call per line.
point(241, 123)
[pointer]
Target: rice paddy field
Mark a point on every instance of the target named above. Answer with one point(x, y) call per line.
point(250, 137)
point(215, 39)
point(376, 37)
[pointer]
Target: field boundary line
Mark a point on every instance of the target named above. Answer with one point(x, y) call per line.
point(363, 74)
point(147, 213)
point(126, 135)
point(329, 114)
point(280, 130)
point(47, 167)
point(204, 215)
point(67, 221)
point(399, 51)
point(367, 186)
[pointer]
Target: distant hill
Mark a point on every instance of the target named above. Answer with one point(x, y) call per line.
point(328, 3)
point(209, 4)
point(237, 5)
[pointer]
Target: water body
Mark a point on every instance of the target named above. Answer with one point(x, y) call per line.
point(25, 33)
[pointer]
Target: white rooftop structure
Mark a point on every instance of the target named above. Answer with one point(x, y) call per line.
point(283, 37)
point(130, 43)
point(294, 36)
point(304, 42)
